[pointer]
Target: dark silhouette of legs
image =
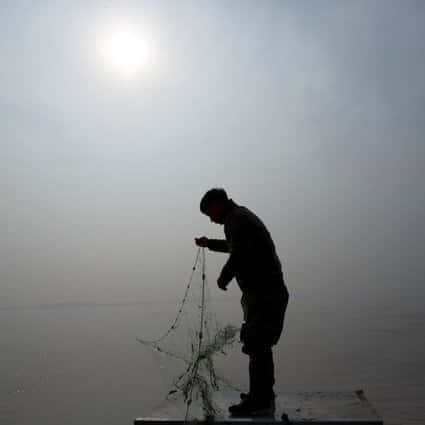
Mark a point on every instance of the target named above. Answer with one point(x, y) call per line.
point(261, 374)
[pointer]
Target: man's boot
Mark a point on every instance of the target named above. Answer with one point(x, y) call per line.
point(250, 406)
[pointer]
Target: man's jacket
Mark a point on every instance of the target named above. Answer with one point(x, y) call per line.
point(253, 260)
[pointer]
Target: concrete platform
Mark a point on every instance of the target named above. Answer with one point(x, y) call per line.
point(316, 407)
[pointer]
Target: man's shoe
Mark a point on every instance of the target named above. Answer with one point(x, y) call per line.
point(244, 396)
point(252, 407)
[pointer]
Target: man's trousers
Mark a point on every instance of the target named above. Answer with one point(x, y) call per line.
point(264, 311)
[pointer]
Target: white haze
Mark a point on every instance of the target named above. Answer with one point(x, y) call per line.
point(309, 113)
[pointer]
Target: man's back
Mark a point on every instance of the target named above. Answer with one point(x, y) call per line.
point(255, 259)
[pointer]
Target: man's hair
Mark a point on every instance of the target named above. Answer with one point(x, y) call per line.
point(213, 195)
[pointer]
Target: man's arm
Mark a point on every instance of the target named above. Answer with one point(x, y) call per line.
point(218, 245)
point(240, 247)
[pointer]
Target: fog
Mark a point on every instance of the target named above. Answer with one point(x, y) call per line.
point(309, 113)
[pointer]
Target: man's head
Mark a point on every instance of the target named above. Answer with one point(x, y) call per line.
point(215, 204)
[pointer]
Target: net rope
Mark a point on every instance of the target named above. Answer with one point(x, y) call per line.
point(199, 379)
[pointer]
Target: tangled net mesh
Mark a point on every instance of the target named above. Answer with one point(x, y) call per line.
point(193, 339)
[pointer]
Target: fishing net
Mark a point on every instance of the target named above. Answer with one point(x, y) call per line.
point(192, 340)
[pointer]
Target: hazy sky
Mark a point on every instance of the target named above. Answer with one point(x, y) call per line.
point(310, 113)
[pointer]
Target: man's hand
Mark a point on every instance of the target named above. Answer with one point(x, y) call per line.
point(222, 284)
point(202, 242)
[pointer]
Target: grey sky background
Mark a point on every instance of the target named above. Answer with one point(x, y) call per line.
point(312, 114)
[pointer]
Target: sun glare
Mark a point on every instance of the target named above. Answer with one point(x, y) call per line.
point(126, 52)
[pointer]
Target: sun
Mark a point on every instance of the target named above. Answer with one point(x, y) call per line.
point(126, 52)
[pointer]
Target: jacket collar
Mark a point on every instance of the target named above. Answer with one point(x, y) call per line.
point(232, 205)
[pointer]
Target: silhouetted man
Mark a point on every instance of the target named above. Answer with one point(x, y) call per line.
point(256, 266)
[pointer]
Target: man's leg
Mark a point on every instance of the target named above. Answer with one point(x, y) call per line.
point(264, 316)
point(260, 400)
point(261, 375)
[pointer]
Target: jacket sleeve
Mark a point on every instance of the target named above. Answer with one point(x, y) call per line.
point(240, 247)
point(218, 245)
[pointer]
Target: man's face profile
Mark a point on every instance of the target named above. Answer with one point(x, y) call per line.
point(215, 212)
